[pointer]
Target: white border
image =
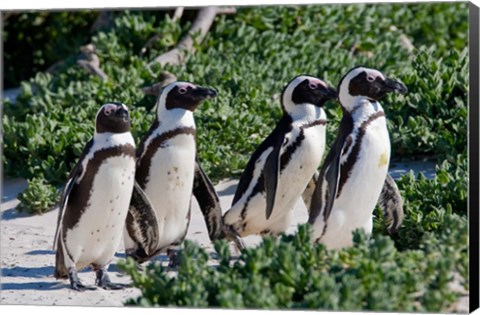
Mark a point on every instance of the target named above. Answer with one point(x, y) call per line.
point(121, 4)
point(97, 4)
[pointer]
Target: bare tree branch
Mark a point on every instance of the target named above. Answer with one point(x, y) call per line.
point(92, 62)
point(226, 10)
point(164, 79)
point(406, 43)
point(103, 20)
point(177, 15)
point(53, 68)
point(149, 42)
point(200, 26)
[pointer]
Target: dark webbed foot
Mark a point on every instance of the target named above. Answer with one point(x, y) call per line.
point(75, 283)
point(174, 257)
point(103, 281)
point(138, 255)
point(234, 237)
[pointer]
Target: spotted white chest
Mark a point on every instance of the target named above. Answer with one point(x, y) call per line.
point(354, 206)
point(96, 236)
point(309, 146)
point(170, 186)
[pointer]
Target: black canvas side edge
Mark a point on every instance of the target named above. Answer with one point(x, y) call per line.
point(473, 160)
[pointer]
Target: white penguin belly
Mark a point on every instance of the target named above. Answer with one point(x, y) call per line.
point(354, 207)
point(170, 187)
point(97, 235)
point(292, 181)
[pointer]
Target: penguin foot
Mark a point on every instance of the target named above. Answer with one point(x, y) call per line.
point(174, 258)
point(234, 237)
point(138, 255)
point(75, 283)
point(239, 244)
point(78, 286)
point(114, 286)
point(103, 281)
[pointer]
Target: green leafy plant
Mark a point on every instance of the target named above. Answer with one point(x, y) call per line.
point(412, 271)
point(428, 201)
point(38, 197)
point(295, 274)
point(429, 121)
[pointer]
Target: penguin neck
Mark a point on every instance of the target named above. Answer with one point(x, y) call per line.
point(306, 113)
point(169, 119)
point(110, 139)
point(363, 107)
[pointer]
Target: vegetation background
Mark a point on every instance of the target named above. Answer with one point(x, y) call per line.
point(248, 57)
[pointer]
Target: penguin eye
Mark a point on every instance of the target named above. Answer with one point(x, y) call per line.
point(370, 78)
point(313, 86)
point(182, 90)
point(108, 110)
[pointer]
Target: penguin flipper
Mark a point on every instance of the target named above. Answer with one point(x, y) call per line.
point(391, 203)
point(322, 201)
point(323, 197)
point(208, 200)
point(61, 208)
point(141, 222)
point(270, 175)
point(308, 192)
point(72, 179)
point(274, 140)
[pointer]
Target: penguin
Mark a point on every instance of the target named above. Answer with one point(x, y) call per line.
point(354, 176)
point(283, 164)
point(95, 201)
point(168, 171)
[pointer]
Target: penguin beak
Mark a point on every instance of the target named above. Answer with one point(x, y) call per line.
point(330, 93)
point(391, 85)
point(201, 93)
point(122, 113)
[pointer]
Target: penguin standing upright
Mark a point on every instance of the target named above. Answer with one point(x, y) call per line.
point(96, 200)
point(167, 168)
point(354, 176)
point(281, 167)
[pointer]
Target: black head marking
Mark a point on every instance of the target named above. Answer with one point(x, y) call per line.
point(187, 96)
point(114, 118)
point(373, 86)
point(305, 89)
point(313, 92)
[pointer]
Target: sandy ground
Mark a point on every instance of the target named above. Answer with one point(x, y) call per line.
point(27, 258)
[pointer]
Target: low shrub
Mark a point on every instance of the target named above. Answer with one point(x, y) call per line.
point(38, 197)
point(292, 273)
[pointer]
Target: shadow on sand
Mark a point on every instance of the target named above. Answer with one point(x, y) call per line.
point(41, 286)
point(41, 252)
point(230, 190)
point(11, 214)
point(40, 272)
